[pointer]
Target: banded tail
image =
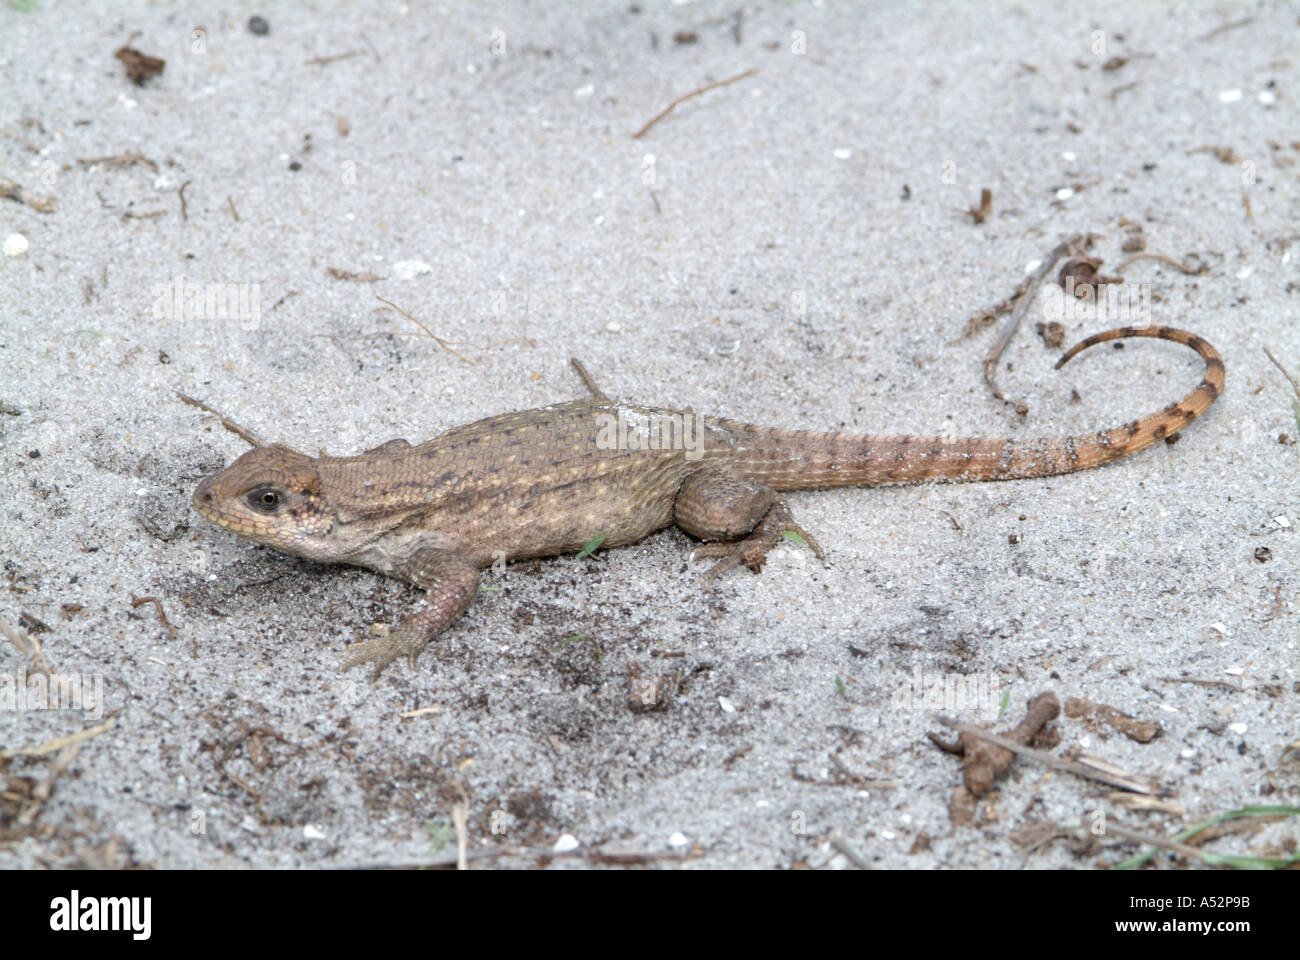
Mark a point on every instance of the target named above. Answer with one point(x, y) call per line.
point(800, 459)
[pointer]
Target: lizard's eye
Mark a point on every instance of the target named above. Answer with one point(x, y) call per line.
point(265, 499)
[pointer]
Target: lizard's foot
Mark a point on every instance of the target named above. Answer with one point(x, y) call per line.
point(383, 651)
point(752, 551)
point(451, 582)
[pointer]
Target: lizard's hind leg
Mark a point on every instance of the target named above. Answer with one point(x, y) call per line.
point(746, 515)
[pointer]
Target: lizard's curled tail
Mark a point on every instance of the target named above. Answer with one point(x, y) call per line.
point(799, 459)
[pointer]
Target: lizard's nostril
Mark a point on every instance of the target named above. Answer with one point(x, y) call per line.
point(207, 497)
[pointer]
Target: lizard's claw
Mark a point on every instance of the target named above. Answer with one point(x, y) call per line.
point(753, 550)
point(383, 651)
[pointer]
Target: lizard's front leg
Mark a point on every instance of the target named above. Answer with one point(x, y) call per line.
point(723, 506)
point(450, 581)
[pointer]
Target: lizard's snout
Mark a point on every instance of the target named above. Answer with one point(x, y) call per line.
point(202, 499)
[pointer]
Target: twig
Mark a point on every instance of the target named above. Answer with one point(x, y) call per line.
point(694, 93)
point(53, 746)
point(1069, 766)
point(1278, 363)
point(1124, 88)
point(460, 819)
point(542, 853)
point(1215, 684)
point(441, 342)
point(1190, 271)
point(1030, 290)
point(981, 213)
point(180, 192)
point(41, 794)
point(233, 212)
point(1231, 25)
point(162, 614)
point(1186, 850)
point(29, 647)
point(321, 61)
point(21, 139)
point(126, 159)
point(855, 858)
point(248, 435)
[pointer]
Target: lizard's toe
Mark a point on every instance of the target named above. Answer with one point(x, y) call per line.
point(753, 550)
point(382, 652)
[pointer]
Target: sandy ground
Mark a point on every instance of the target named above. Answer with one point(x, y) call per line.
point(790, 249)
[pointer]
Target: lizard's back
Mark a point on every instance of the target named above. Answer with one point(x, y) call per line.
point(525, 484)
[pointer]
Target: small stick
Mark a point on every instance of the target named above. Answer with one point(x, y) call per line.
point(611, 858)
point(41, 794)
point(460, 819)
point(29, 647)
point(1190, 271)
point(162, 614)
point(229, 424)
point(586, 379)
point(181, 193)
point(54, 746)
point(1231, 25)
point(1278, 363)
point(1069, 766)
point(321, 61)
point(1187, 851)
point(1022, 305)
point(844, 847)
point(233, 212)
point(1215, 684)
point(441, 342)
point(694, 93)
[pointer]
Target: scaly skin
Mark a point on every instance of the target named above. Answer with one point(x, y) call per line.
point(547, 481)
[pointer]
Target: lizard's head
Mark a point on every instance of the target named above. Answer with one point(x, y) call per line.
point(270, 495)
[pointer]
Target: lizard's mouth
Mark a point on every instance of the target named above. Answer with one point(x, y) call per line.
point(205, 502)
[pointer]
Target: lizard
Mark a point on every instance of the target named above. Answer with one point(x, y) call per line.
point(552, 480)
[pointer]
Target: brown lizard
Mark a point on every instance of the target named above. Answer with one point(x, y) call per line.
point(551, 481)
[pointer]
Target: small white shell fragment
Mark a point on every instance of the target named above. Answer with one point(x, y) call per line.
point(1234, 671)
point(613, 326)
point(726, 705)
point(409, 269)
point(678, 840)
point(586, 90)
point(1230, 96)
point(843, 154)
point(1282, 521)
point(1237, 728)
point(1267, 97)
point(1069, 156)
point(566, 843)
point(1245, 272)
point(1221, 627)
point(1187, 754)
point(15, 245)
point(1065, 193)
point(313, 832)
